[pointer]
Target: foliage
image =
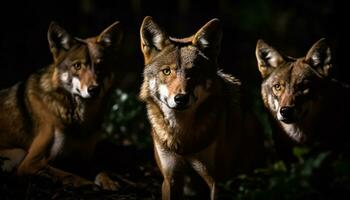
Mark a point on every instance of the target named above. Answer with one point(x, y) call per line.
point(290, 26)
point(126, 122)
point(320, 176)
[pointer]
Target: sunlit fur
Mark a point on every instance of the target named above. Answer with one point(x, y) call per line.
point(51, 117)
point(319, 103)
point(208, 132)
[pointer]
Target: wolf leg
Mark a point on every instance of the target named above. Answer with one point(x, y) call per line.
point(105, 182)
point(39, 154)
point(172, 167)
point(172, 187)
point(204, 172)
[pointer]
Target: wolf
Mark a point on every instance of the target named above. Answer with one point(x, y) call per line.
point(54, 116)
point(307, 104)
point(195, 109)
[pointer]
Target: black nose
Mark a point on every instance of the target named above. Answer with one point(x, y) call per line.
point(94, 90)
point(287, 112)
point(181, 99)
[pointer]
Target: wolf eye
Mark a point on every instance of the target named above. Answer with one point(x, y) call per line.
point(77, 66)
point(277, 87)
point(166, 71)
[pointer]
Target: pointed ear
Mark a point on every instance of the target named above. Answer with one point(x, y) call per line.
point(153, 38)
point(268, 58)
point(59, 39)
point(209, 37)
point(111, 36)
point(319, 57)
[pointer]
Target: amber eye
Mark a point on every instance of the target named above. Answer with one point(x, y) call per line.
point(77, 66)
point(277, 87)
point(166, 71)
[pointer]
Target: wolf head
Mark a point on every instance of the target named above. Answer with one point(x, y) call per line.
point(178, 73)
point(82, 64)
point(292, 88)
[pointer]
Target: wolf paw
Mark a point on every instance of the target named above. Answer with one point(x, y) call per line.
point(78, 182)
point(105, 182)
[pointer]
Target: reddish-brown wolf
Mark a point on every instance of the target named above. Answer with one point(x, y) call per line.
point(308, 105)
point(55, 115)
point(194, 109)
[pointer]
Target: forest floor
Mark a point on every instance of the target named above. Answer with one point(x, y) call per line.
point(134, 169)
point(139, 178)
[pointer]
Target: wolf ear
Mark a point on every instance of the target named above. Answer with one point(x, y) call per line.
point(111, 36)
point(268, 58)
point(59, 39)
point(319, 57)
point(209, 37)
point(153, 38)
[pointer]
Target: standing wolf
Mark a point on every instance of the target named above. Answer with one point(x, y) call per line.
point(308, 105)
point(55, 115)
point(194, 109)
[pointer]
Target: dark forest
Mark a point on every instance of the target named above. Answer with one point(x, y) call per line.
point(292, 27)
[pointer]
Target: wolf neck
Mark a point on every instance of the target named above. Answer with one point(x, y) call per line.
point(295, 132)
point(61, 103)
point(186, 131)
point(176, 120)
point(306, 130)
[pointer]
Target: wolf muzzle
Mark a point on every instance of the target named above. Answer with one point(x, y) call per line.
point(94, 90)
point(288, 114)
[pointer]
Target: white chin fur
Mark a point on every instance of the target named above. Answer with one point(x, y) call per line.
point(77, 89)
point(84, 93)
point(279, 116)
point(76, 86)
point(163, 94)
point(171, 103)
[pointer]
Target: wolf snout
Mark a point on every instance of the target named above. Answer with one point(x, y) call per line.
point(94, 90)
point(288, 114)
point(181, 99)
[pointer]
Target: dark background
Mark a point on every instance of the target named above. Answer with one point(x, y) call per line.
point(291, 27)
